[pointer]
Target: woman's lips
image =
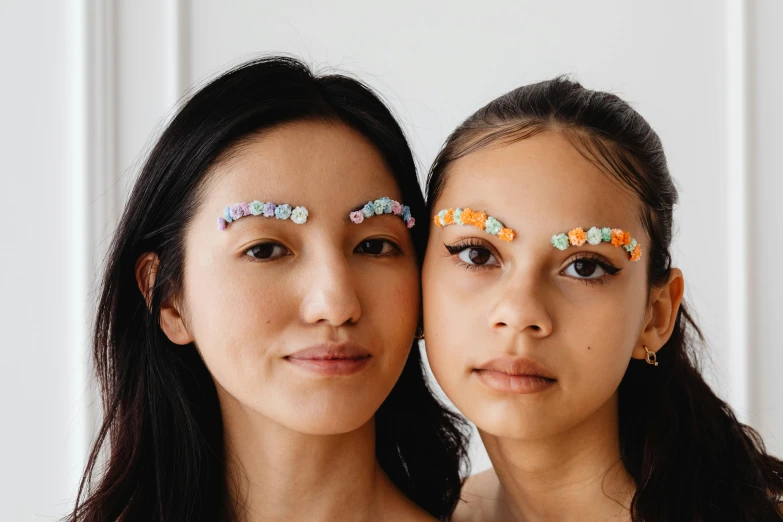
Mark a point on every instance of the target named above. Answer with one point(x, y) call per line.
point(331, 359)
point(514, 375)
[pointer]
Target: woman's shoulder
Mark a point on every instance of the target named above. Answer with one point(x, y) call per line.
point(479, 498)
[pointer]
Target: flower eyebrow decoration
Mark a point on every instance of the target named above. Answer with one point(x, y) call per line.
point(595, 236)
point(458, 216)
point(256, 208)
point(383, 206)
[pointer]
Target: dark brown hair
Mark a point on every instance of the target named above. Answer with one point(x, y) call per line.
point(690, 458)
point(162, 431)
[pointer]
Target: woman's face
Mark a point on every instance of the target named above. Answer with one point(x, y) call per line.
point(495, 310)
point(308, 325)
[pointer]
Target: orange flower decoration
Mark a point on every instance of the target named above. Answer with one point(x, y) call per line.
point(436, 220)
point(466, 217)
point(448, 217)
point(637, 253)
point(506, 234)
point(577, 237)
point(479, 220)
point(620, 237)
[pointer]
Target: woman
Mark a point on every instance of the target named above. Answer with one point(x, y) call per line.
point(554, 321)
point(253, 337)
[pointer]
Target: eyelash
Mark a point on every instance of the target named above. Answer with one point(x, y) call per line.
point(455, 250)
point(252, 259)
point(609, 269)
point(396, 250)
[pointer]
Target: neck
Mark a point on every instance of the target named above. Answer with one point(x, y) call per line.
point(574, 475)
point(275, 473)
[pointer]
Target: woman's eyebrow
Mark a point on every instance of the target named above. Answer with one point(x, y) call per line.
point(281, 211)
point(380, 206)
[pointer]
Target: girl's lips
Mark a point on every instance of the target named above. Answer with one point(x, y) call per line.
point(331, 359)
point(515, 375)
point(503, 382)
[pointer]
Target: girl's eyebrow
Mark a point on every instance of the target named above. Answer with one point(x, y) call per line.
point(478, 219)
point(597, 235)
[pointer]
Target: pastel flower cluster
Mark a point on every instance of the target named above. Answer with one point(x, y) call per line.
point(383, 206)
point(595, 236)
point(467, 216)
point(256, 208)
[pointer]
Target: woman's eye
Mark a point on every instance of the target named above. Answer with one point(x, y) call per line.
point(376, 247)
point(478, 256)
point(584, 269)
point(267, 251)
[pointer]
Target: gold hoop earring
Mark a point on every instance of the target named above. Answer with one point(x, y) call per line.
point(650, 356)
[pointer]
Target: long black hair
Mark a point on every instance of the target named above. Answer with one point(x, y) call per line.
point(690, 458)
point(162, 432)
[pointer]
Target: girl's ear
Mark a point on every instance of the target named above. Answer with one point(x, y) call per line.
point(662, 315)
point(171, 321)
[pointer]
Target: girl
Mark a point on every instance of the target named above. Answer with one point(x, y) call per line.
point(254, 331)
point(555, 322)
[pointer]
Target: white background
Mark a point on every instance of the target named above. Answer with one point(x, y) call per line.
point(86, 85)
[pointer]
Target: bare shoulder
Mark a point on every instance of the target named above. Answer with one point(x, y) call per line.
point(479, 498)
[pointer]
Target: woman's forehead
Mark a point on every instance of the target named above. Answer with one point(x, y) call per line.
point(320, 165)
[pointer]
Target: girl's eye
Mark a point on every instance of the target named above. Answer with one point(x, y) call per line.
point(588, 268)
point(476, 255)
point(584, 269)
point(267, 251)
point(377, 247)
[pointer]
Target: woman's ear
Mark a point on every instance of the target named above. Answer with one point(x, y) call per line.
point(171, 321)
point(662, 315)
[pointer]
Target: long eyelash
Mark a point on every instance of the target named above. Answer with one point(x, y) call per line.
point(463, 245)
point(455, 249)
point(608, 267)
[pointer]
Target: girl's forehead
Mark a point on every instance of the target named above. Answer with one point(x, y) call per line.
point(541, 183)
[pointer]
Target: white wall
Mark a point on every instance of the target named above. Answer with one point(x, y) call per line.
point(43, 291)
point(96, 78)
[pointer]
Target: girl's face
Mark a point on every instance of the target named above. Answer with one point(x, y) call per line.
point(497, 311)
point(308, 325)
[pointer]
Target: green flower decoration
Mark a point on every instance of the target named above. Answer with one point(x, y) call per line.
point(256, 208)
point(493, 226)
point(560, 241)
point(594, 236)
point(607, 234)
